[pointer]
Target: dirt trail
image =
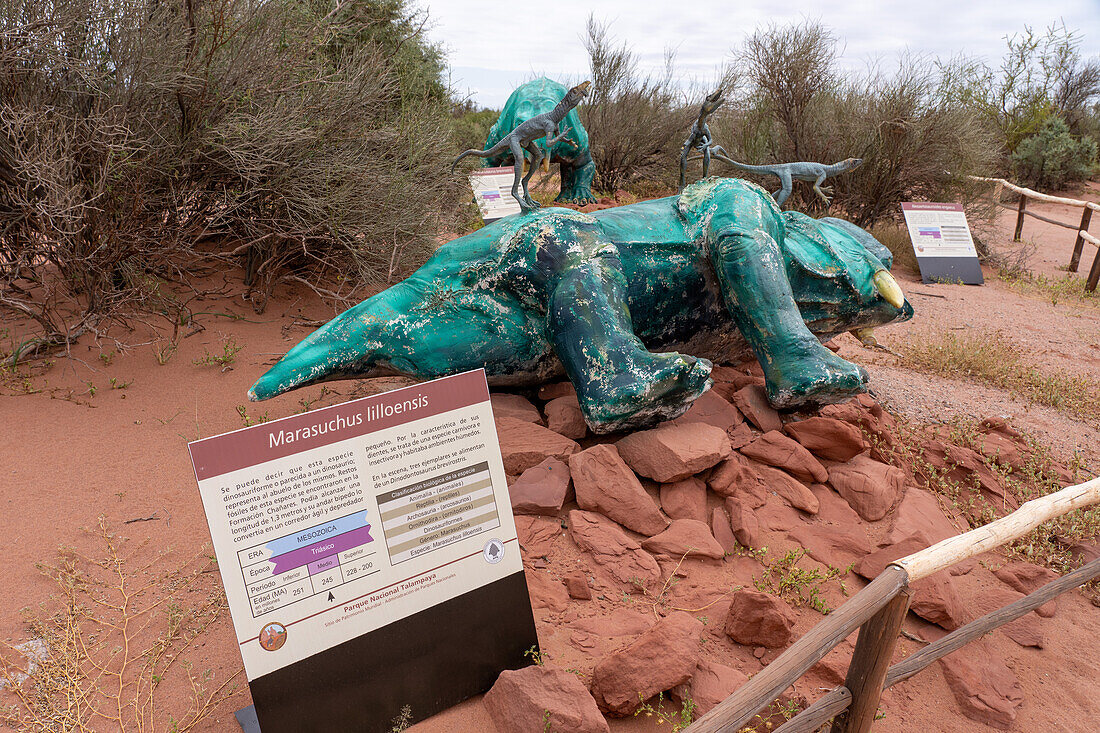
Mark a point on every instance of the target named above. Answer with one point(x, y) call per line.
point(68, 456)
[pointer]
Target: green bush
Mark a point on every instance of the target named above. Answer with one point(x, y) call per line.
point(1052, 157)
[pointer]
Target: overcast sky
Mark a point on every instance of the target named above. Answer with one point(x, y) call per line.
point(493, 46)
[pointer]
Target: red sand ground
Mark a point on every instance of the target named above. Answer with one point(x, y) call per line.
point(122, 454)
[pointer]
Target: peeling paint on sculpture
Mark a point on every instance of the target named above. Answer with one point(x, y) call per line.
point(630, 302)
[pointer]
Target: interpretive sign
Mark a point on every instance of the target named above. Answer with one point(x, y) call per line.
point(369, 556)
point(942, 243)
point(493, 192)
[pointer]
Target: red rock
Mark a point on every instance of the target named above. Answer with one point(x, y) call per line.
point(685, 499)
point(1001, 449)
point(935, 598)
point(723, 532)
point(664, 656)
point(776, 449)
point(870, 418)
point(541, 489)
point(545, 592)
point(832, 509)
point(998, 423)
point(674, 452)
point(711, 684)
point(576, 585)
point(752, 401)
point(870, 487)
point(549, 392)
point(613, 551)
point(759, 619)
point(919, 514)
point(536, 535)
point(712, 409)
point(728, 380)
point(796, 493)
point(564, 416)
point(736, 477)
point(621, 622)
point(1027, 631)
point(740, 436)
point(514, 406)
point(605, 484)
point(685, 537)
point(837, 545)
point(984, 687)
point(967, 469)
point(524, 444)
point(743, 522)
point(828, 437)
point(1024, 577)
point(777, 516)
point(539, 698)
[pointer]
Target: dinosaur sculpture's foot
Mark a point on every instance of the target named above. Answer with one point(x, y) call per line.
point(659, 387)
point(576, 197)
point(812, 375)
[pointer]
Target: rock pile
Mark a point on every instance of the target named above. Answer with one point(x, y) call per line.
point(647, 553)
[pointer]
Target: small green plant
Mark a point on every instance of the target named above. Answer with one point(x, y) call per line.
point(165, 353)
point(119, 384)
point(248, 420)
point(107, 357)
point(536, 655)
point(677, 719)
point(796, 585)
point(91, 389)
point(230, 349)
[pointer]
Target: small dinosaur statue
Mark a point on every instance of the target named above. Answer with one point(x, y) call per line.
point(700, 139)
point(814, 173)
point(524, 137)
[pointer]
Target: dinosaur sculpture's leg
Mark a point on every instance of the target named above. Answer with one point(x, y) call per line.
point(536, 159)
point(619, 383)
point(819, 192)
point(786, 186)
point(517, 156)
point(683, 164)
point(743, 240)
point(706, 160)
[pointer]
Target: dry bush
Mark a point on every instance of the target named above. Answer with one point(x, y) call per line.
point(116, 643)
point(138, 138)
point(635, 124)
point(917, 138)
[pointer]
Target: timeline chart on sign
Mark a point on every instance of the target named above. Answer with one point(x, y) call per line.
point(301, 565)
point(431, 514)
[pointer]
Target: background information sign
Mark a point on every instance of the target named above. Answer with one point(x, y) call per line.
point(941, 240)
point(493, 192)
point(368, 553)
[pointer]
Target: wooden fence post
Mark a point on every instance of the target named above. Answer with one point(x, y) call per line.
point(1086, 219)
point(1020, 219)
point(1094, 274)
point(870, 663)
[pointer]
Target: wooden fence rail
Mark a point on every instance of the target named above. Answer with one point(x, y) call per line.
point(1081, 229)
point(878, 611)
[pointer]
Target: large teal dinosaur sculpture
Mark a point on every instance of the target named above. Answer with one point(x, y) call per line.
point(631, 302)
point(571, 152)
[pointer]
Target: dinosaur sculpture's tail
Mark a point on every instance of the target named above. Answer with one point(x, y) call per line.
point(767, 170)
point(480, 153)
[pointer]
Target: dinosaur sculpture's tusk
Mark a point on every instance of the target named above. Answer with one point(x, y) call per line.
point(866, 337)
point(888, 288)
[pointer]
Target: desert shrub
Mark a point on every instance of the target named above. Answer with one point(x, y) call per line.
point(635, 124)
point(138, 138)
point(1052, 157)
point(917, 138)
point(472, 126)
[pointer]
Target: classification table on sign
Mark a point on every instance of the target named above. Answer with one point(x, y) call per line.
point(437, 512)
point(306, 563)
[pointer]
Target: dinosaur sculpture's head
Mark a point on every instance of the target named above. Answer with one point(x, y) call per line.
point(574, 96)
point(849, 163)
point(712, 102)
